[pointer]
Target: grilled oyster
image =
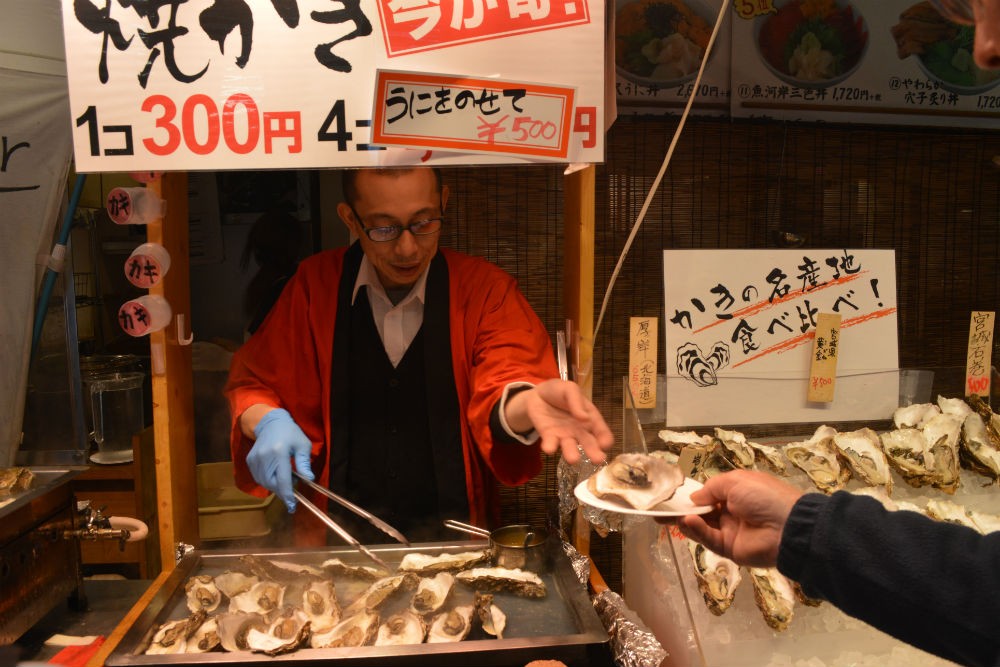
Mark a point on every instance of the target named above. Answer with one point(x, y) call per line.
point(639, 480)
point(450, 626)
point(976, 450)
point(402, 628)
point(490, 616)
point(914, 415)
point(517, 581)
point(942, 433)
point(678, 440)
point(263, 597)
point(863, 451)
point(432, 592)
point(735, 448)
point(818, 458)
point(205, 638)
point(905, 448)
point(338, 568)
point(426, 565)
point(234, 626)
point(289, 630)
point(380, 591)
point(172, 636)
point(770, 456)
point(357, 630)
point(202, 593)
point(774, 596)
point(717, 577)
point(319, 602)
point(232, 583)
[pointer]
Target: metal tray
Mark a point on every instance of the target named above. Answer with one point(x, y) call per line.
point(562, 626)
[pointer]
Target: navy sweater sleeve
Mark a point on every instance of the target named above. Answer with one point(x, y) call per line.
point(931, 584)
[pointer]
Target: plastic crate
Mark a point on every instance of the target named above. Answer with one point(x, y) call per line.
point(225, 512)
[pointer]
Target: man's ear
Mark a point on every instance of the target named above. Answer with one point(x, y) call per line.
point(346, 216)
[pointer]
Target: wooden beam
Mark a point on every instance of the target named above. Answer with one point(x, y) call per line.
point(173, 404)
point(578, 271)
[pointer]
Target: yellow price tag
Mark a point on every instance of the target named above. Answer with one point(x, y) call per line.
point(748, 9)
point(823, 369)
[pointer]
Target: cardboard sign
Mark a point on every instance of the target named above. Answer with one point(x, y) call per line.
point(823, 369)
point(642, 361)
point(978, 361)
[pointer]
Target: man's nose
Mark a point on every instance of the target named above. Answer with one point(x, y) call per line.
point(406, 243)
point(986, 50)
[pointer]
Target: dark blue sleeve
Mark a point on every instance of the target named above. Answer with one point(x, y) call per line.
point(931, 584)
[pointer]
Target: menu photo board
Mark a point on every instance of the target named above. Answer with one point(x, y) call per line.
point(740, 332)
point(659, 46)
point(864, 61)
point(208, 85)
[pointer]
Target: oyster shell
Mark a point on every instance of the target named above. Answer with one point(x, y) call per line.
point(770, 457)
point(172, 636)
point(879, 494)
point(402, 628)
point(774, 596)
point(426, 565)
point(490, 616)
point(735, 448)
point(15, 480)
point(678, 440)
point(319, 602)
point(905, 449)
point(517, 581)
point(953, 406)
point(232, 583)
point(862, 450)
point(357, 630)
point(205, 638)
point(450, 626)
point(263, 597)
point(942, 433)
point(990, 418)
point(717, 577)
point(914, 415)
point(380, 591)
point(289, 630)
point(985, 523)
point(202, 593)
point(818, 458)
point(977, 451)
point(234, 626)
point(639, 480)
point(282, 571)
point(950, 512)
point(338, 568)
point(432, 592)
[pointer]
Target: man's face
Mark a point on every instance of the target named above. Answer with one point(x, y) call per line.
point(987, 46)
point(396, 198)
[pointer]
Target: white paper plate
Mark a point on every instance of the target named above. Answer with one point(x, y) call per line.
point(112, 458)
point(679, 505)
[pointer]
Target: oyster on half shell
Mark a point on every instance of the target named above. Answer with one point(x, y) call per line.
point(520, 582)
point(977, 450)
point(380, 591)
point(432, 592)
point(172, 636)
point(774, 595)
point(818, 458)
point(402, 628)
point(862, 450)
point(263, 597)
point(234, 626)
point(717, 577)
point(319, 602)
point(450, 626)
point(288, 631)
point(491, 617)
point(735, 448)
point(357, 630)
point(426, 565)
point(202, 593)
point(639, 480)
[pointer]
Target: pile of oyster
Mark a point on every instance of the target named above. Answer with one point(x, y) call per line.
point(274, 607)
point(14, 481)
point(926, 447)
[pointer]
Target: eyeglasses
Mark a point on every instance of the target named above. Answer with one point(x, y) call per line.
point(957, 11)
point(392, 232)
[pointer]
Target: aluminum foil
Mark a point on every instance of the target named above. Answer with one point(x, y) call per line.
point(632, 643)
point(578, 561)
point(571, 475)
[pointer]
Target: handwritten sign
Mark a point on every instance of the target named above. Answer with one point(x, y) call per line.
point(978, 360)
point(740, 326)
point(468, 114)
point(823, 369)
point(209, 85)
point(642, 361)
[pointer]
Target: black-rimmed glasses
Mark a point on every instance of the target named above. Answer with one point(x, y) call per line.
point(424, 227)
point(956, 11)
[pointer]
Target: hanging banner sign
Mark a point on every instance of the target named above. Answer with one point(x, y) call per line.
point(460, 113)
point(740, 328)
point(206, 85)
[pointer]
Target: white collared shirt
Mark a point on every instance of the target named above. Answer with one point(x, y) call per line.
point(398, 325)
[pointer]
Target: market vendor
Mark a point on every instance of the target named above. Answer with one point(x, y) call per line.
point(408, 378)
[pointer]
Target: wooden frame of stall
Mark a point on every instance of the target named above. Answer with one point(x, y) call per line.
point(172, 380)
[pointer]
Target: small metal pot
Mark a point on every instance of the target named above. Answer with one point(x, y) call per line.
point(516, 546)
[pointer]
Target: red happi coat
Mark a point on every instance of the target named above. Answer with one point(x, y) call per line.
point(496, 338)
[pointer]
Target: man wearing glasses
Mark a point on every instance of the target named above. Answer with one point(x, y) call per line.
point(412, 377)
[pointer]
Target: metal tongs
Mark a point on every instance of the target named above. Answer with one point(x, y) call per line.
point(337, 528)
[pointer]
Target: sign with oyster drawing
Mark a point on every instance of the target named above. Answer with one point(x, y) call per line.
point(739, 328)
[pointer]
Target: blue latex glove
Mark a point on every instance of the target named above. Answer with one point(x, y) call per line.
point(279, 440)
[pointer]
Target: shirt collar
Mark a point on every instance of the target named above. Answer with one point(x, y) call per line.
point(367, 277)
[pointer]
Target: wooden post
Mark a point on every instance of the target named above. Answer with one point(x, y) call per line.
point(173, 404)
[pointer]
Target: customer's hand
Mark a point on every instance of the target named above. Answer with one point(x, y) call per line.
point(751, 510)
point(279, 440)
point(565, 419)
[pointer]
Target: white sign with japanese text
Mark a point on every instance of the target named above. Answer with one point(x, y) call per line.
point(212, 85)
point(739, 331)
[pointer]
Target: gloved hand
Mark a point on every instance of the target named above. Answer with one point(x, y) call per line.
point(279, 439)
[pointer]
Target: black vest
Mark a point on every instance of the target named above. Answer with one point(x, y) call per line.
point(396, 438)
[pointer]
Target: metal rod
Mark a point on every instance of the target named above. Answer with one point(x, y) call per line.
point(466, 528)
point(360, 511)
point(337, 528)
